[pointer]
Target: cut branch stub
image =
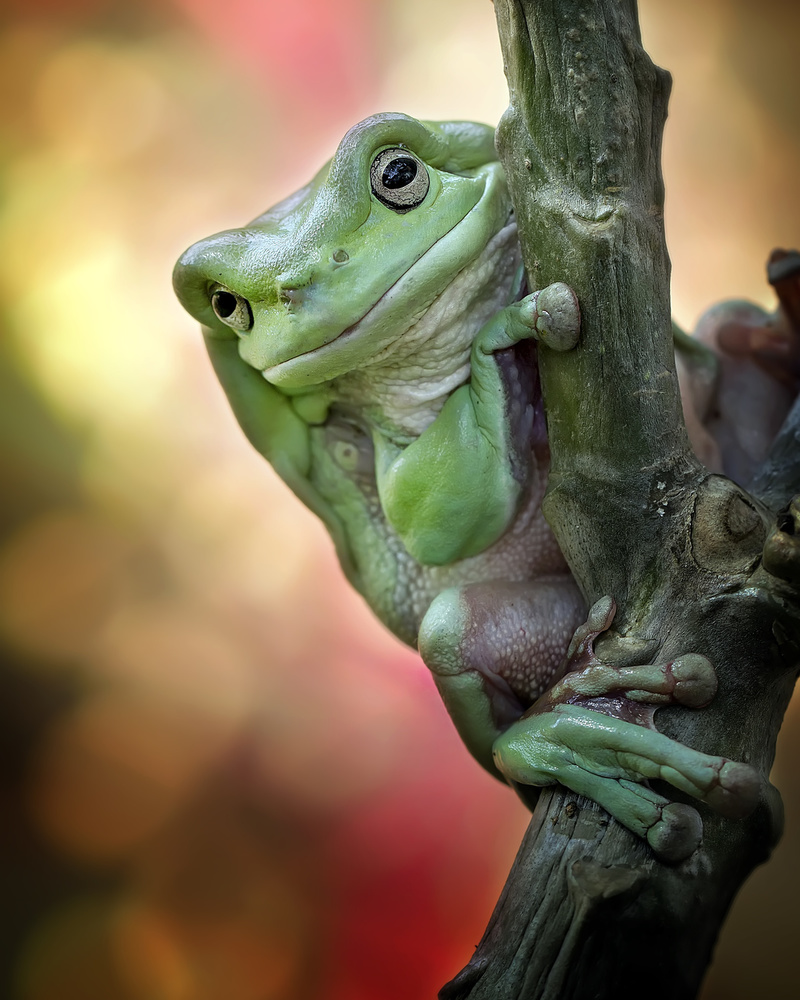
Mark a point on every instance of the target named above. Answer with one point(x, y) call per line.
point(728, 528)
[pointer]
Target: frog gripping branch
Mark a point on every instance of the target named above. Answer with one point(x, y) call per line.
point(438, 483)
point(380, 346)
point(686, 553)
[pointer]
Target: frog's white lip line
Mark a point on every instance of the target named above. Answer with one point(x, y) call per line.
point(355, 328)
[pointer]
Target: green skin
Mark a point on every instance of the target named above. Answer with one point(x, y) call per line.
point(371, 338)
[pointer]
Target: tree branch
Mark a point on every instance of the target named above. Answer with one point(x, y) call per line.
point(588, 911)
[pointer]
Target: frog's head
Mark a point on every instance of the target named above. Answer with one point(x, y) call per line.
point(330, 277)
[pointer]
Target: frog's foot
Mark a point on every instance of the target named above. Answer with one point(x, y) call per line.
point(607, 759)
point(688, 680)
point(593, 731)
point(772, 342)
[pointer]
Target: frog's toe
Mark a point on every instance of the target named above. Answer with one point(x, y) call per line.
point(598, 619)
point(695, 680)
point(673, 830)
point(677, 833)
point(737, 791)
point(556, 315)
point(690, 680)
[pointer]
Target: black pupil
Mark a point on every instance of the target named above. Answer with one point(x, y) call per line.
point(399, 172)
point(224, 304)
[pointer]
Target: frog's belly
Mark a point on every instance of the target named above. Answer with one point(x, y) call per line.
point(398, 588)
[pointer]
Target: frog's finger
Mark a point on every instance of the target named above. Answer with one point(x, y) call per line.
point(538, 748)
point(550, 315)
point(556, 315)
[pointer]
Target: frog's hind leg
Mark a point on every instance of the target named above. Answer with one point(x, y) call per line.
point(494, 648)
point(759, 372)
point(593, 732)
point(605, 758)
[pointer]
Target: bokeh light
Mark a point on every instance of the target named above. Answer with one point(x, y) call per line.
point(222, 779)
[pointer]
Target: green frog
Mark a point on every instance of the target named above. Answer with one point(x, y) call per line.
point(378, 344)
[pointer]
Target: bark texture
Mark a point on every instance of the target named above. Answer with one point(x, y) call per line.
point(695, 562)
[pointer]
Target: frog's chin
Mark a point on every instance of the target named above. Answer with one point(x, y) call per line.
point(395, 311)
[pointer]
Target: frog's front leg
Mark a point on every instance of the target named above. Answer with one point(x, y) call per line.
point(455, 490)
point(274, 428)
point(606, 754)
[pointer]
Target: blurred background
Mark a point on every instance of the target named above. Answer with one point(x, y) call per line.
point(220, 778)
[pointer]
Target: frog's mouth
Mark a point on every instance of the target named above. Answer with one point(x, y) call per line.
point(295, 366)
point(333, 358)
point(394, 313)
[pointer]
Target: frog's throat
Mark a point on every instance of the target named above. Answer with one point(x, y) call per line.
point(321, 364)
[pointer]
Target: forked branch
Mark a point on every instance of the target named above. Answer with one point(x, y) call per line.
point(693, 561)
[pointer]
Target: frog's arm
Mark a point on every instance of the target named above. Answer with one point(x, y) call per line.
point(455, 490)
point(452, 492)
point(275, 430)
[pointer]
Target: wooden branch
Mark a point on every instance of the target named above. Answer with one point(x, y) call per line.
point(694, 562)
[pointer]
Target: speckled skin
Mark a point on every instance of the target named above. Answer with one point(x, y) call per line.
point(493, 626)
point(399, 588)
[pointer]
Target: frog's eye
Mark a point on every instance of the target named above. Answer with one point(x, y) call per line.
point(232, 310)
point(399, 179)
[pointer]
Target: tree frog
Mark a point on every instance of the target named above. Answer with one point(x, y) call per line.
point(378, 344)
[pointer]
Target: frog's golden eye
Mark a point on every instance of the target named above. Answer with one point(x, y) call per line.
point(232, 310)
point(399, 180)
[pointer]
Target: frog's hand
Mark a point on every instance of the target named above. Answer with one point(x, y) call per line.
point(275, 430)
point(455, 490)
point(493, 648)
